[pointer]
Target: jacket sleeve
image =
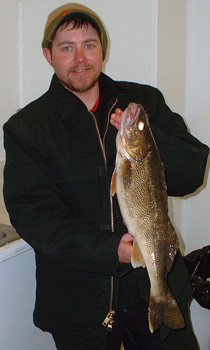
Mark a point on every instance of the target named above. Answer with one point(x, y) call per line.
point(43, 220)
point(183, 156)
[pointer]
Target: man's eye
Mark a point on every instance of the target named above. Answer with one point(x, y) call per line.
point(89, 46)
point(66, 48)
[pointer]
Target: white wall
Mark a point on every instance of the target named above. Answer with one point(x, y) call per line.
point(163, 43)
point(183, 77)
point(198, 114)
point(9, 62)
point(197, 218)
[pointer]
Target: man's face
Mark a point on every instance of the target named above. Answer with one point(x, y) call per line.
point(76, 57)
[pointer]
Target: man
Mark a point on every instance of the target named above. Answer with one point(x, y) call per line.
point(60, 155)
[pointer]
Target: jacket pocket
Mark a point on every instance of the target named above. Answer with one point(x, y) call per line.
point(77, 169)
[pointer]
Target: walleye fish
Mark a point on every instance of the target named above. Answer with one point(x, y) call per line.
point(140, 185)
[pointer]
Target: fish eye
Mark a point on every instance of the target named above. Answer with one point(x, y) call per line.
point(141, 126)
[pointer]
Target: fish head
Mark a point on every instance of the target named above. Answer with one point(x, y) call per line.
point(134, 137)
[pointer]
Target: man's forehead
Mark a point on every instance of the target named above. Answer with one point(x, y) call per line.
point(71, 26)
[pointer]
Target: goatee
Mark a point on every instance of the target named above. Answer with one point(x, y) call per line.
point(83, 88)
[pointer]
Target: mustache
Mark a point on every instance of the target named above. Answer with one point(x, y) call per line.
point(79, 67)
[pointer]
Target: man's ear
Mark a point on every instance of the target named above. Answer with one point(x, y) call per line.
point(47, 55)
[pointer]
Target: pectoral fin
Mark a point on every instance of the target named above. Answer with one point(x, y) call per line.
point(137, 259)
point(113, 183)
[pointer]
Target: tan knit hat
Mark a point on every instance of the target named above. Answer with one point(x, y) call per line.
point(66, 12)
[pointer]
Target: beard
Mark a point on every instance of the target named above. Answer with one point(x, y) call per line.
point(83, 88)
point(81, 85)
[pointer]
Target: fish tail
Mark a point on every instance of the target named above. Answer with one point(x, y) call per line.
point(165, 310)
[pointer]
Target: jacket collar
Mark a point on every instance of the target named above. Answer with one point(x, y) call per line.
point(68, 104)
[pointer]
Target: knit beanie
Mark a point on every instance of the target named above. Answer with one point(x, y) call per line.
point(68, 12)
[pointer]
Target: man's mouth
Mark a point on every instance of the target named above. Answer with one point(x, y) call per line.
point(80, 70)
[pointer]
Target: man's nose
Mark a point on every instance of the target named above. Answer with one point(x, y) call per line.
point(79, 55)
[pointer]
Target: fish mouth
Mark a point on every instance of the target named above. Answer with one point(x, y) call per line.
point(133, 138)
point(130, 117)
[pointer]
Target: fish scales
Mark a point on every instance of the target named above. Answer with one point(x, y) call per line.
point(140, 185)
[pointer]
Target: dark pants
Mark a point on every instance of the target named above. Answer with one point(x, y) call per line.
point(135, 333)
point(132, 328)
point(135, 336)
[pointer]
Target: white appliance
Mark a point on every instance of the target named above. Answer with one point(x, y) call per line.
point(17, 290)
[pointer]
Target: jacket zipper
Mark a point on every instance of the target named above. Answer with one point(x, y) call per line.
point(99, 137)
point(109, 319)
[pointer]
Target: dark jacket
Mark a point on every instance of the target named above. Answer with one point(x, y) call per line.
point(57, 193)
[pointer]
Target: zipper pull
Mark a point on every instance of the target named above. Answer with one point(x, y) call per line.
point(109, 320)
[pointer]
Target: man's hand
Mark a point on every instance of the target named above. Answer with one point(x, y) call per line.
point(125, 248)
point(116, 118)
